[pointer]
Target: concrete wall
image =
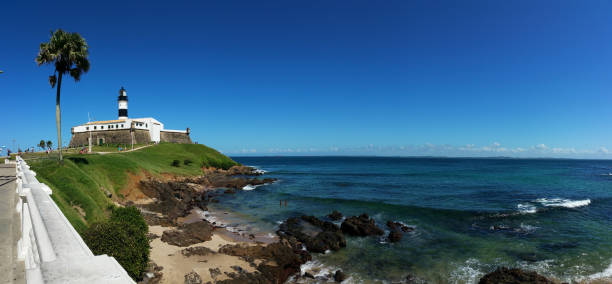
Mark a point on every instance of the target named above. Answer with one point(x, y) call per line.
point(51, 248)
point(175, 137)
point(122, 136)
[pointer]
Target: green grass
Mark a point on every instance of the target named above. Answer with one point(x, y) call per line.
point(81, 179)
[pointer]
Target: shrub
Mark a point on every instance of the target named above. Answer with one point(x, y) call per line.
point(129, 216)
point(176, 163)
point(187, 162)
point(123, 237)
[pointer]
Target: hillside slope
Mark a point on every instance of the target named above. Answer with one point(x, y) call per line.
point(81, 183)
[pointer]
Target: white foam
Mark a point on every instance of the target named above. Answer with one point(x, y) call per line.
point(528, 228)
point(560, 202)
point(469, 272)
point(526, 208)
point(249, 187)
point(604, 274)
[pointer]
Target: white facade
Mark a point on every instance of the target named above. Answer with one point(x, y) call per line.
point(148, 123)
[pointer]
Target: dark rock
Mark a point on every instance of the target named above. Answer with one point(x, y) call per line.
point(214, 272)
point(197, 251)
point(243, 170)
point(339, 276)
point(395, 236)
point(361, 226)
point(326, 240)
point(193, 278)
point(189, 234)
point(229, 191)
point(318, 236)
point(173, 198)
point(308, 275)
point(396, 231)
point(335, 215)
point(286, 255)
point(505, 275)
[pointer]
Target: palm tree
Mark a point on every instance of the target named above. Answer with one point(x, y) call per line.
point(68, 52)
point(42, 144)
point(49, 144)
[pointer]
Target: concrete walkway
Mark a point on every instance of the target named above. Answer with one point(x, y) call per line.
point(11, 269)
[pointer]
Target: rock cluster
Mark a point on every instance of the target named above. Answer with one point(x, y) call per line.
point(505, 275)
point(361, 225)
point(189, 234)
point(281, 260)
point(335, 216)
point(317, 235)
point(193, 278)
point(397, 230)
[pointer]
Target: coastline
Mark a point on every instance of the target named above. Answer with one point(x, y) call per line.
point(236, 251)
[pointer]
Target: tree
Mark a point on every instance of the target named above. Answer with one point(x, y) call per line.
point(42, 144)
point(68, 52)
point(49, 144)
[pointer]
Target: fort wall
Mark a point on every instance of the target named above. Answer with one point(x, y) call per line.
point(121, 136)
point(175, 137)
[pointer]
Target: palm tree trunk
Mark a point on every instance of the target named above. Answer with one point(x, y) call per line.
point(58, 117)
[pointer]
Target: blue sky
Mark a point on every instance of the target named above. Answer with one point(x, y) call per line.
point(455, 78)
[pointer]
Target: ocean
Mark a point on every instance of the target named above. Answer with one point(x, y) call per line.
point(471, 215)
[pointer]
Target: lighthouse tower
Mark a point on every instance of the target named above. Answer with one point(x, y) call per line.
point(123, 104)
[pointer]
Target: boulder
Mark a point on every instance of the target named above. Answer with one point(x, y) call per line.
point(503, 275)
point(193, 278)
point(339, 276)
point(326, 240)
point(397, 231)
point(335, 215)
point(317, 235)
point(361, 226)
point(197, 251)
point(188, 234)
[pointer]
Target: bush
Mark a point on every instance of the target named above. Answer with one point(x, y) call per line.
point(187, 162)
point(176, 163)
point(130, 216)
point(123, 237)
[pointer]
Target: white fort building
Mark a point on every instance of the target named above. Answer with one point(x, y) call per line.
point(125, 130)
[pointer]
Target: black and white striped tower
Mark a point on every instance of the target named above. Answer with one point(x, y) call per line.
point(123, 104)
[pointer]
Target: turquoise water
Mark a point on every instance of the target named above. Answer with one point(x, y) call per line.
point(471, 215)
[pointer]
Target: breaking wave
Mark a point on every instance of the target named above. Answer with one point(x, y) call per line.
point(560, 202)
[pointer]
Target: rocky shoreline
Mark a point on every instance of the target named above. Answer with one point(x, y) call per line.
point(188, 248)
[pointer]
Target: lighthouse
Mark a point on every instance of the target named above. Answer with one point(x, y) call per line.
point(123, 104)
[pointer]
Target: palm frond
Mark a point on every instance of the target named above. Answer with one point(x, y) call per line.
point(68, 52)
point(52, 80)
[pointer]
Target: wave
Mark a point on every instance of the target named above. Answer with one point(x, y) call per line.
point(560, 202)
point(251, 187)
point(526, 208)
point(604, 274)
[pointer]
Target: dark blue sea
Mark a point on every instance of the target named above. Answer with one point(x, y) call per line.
point(471, 215)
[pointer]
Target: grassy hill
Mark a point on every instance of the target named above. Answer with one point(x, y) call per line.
point(79, 185)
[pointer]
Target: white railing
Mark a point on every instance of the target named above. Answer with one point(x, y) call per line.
point(52, 250)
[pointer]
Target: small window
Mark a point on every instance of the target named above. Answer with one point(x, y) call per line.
point(87, 128)
point(102, 127)
point(146, 125)
point(121, 125)
point(95, 127)
point(116, 125)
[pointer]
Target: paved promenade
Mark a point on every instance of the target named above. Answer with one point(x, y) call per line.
point(11, 269)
